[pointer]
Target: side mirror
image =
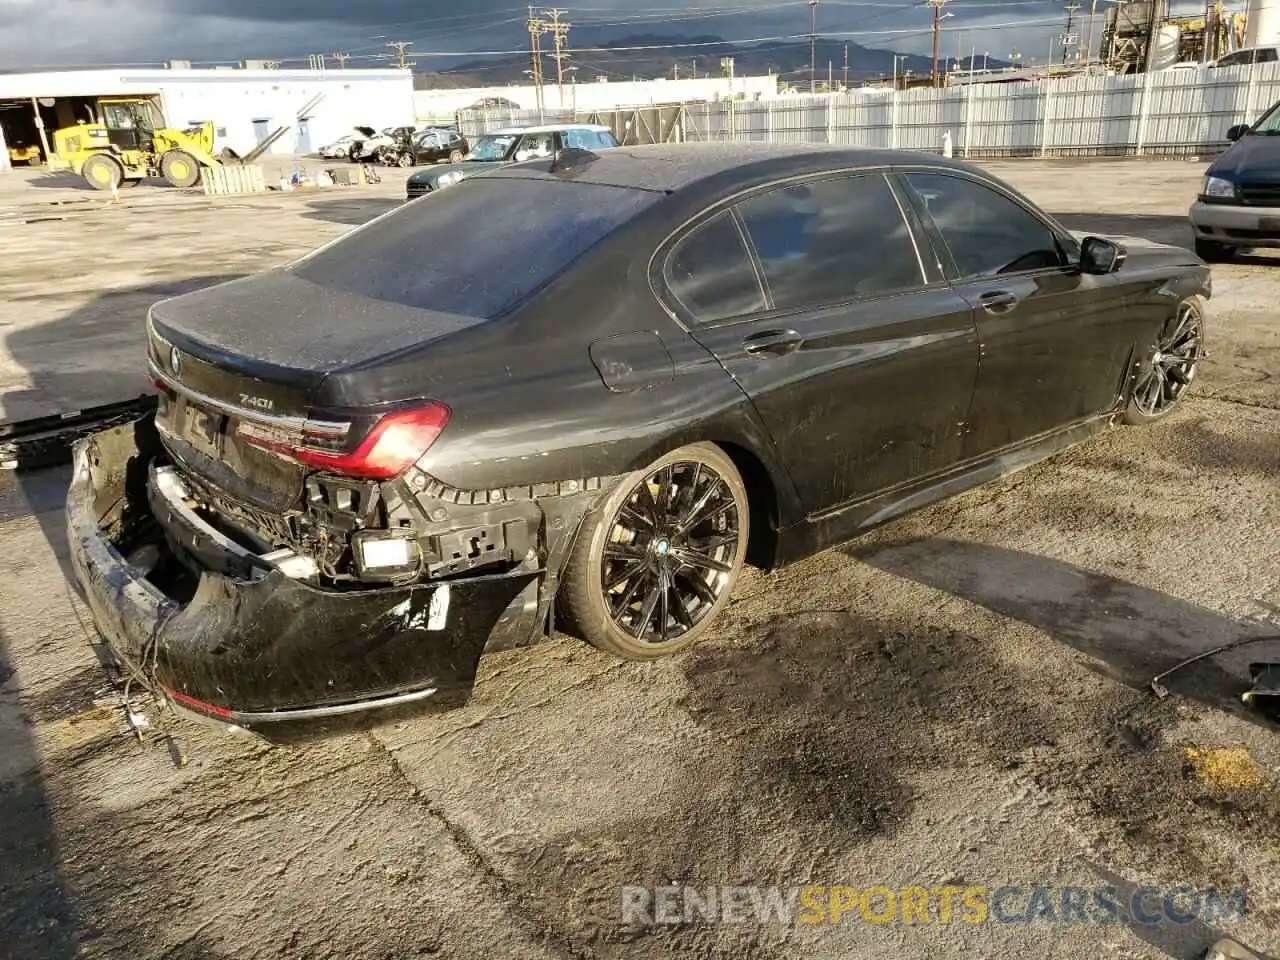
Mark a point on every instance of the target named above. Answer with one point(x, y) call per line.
point(1238, 131)
point(1100, 256)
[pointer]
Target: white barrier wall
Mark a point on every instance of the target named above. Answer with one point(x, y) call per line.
point(1165, 113)
point(595, 95)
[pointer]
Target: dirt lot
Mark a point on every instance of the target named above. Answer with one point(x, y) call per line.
point(957, 699)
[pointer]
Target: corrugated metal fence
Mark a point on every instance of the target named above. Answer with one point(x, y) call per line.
point(1166, 113)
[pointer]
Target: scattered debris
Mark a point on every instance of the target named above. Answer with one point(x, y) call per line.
point(1224, 769)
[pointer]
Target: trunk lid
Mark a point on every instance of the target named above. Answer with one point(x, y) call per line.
point(250, 359)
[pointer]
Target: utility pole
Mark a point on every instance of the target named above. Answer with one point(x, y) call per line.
point(846, 65)
point(342, 59)
point(401, 61)
point(537, 27)
point(937, 28)
point(675, 70)
point(559, 33)
point(813, 46)
point(1068, 38)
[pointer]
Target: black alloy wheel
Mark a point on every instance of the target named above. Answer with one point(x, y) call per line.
point(658, 560)
point(1165, 374)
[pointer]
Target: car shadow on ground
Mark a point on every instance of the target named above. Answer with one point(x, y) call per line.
point(36, 914)
point(1132, 631)
point(69, 368)
point(355, 212)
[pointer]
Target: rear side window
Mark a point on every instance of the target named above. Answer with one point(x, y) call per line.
point(710, 273)
point(479, 248)
point(831, 241)
point(1266, 55)
point(987, 233)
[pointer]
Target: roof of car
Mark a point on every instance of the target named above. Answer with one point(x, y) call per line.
point(673, 166)
point(553, 127)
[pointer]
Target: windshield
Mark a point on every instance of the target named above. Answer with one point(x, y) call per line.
point(491, 148)
point(1270, 122)
point(546, 226)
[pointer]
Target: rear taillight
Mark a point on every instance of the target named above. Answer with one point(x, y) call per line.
point(395, 443)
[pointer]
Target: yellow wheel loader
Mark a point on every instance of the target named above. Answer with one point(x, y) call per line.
point(132, 142)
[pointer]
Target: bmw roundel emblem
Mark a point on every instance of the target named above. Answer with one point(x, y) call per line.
point(175, 361)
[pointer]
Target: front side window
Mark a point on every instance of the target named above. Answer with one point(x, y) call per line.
point(988, 233)
point(830, 241)
point(710, 273)
point(536, 145)
point(119, 116)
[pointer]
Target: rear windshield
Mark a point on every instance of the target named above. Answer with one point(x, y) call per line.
point(479, 247)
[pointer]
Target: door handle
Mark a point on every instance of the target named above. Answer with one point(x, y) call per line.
point(998, 301)
point(774, 343)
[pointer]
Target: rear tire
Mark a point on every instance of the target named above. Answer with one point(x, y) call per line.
point(455, 156)
point(180, 168)
point(404, 160)
point(102, 172)
point(1210, 251)
point(654, 565)
point(1168, 368)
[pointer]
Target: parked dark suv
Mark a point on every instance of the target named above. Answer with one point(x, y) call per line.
point(1239, 202)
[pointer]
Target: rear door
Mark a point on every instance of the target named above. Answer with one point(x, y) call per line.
point(1055, 342)
point(858, 357)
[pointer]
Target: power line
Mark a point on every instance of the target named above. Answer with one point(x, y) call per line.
point(559, 33)
point(400, 46)
point(537, 27)
point(1068, 38)
point(937, 27)
point(813, 45)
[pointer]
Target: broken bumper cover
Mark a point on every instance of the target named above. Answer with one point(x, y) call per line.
point(258, 652)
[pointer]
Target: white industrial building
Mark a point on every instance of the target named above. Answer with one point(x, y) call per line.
point(602, 94)
point(245, 104)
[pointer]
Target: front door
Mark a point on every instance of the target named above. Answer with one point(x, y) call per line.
point(304, 136)
point(859, 359)
point(1055, 342)
point(125, 128)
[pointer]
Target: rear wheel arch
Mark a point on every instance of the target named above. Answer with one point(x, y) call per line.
point(762, 499)
point(761, 482)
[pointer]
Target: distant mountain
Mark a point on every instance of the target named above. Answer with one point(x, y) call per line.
point(646, 56)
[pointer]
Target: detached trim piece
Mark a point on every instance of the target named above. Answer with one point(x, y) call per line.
point(46, 441)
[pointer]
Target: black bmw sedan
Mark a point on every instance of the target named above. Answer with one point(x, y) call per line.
point(670, 361)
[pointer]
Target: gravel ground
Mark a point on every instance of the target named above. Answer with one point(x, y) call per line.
point(956, 699)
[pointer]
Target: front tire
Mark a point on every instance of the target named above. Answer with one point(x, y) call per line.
point(180, 168)
point(1166, 371)
point(655, 564)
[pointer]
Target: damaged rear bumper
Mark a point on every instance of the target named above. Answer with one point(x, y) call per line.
point(260, 651)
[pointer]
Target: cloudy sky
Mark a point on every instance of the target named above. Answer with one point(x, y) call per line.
point(37, 34)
